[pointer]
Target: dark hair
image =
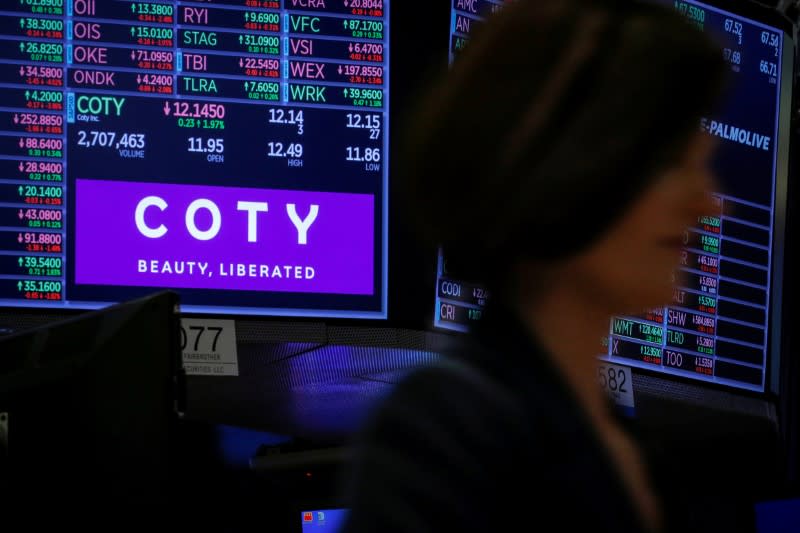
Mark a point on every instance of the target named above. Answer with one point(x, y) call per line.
point(551, 107)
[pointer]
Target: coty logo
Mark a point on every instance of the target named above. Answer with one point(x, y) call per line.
point(147, 223)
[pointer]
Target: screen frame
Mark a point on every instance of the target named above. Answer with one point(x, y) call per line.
point(777, 321)
point(783, 174)
point(404, 276)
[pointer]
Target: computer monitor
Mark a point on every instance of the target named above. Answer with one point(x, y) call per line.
point(778, 515)
point(236, 153)
point(323, 521)
point(91, 406)
point(460, 302)
point(724, 323)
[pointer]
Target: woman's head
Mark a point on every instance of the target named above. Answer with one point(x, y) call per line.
point(561, 118)
point(631, 266)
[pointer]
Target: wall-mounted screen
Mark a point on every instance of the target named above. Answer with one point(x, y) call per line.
point(728, 289)
point(236, 151)
point(724, 319)
point(458, 302)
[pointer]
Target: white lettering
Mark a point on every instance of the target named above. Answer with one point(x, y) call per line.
point(253, 209)
point(302, 225)
point(738, 135)
point(216, 219)
point(144, 229)
point(155, 266)
point(251, 270)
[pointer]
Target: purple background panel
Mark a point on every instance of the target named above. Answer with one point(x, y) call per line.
point(110, 250)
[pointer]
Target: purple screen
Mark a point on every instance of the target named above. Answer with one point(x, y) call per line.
point(235, 151)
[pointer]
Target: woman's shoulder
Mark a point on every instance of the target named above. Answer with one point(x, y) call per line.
point(435, 445)
point(451, 403)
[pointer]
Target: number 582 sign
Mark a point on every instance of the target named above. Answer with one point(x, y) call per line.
point(617, 382)
point(209, 347)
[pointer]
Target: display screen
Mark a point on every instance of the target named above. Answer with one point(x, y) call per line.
point(233, 150)
point(718, 326)
point(458, 302)
point(329, 521)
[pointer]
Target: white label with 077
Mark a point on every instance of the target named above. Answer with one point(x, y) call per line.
point(209, 347)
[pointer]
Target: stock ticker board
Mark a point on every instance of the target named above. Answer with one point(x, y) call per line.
point(717, 328)
point(233, 150)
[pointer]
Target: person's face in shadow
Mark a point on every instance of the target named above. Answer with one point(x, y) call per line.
point(632, 267)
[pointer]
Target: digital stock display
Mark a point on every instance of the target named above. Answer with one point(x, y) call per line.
point(717, 327)
point(233, 150)
point(459, 303)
